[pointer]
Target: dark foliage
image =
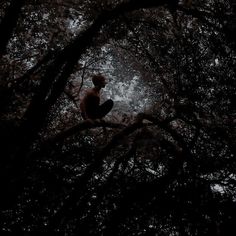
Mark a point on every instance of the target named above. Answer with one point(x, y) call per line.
point(165, 167)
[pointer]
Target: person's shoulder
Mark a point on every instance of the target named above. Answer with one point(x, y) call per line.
point(91, 92)
point(87, 92)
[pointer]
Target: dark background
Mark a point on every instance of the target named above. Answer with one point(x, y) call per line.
point(162, 162)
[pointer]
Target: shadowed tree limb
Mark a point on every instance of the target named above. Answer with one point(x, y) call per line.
point(84, 125)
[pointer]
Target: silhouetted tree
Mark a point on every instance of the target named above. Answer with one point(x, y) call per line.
point(165, 168)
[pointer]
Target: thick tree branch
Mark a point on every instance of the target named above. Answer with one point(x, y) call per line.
point(87, 124)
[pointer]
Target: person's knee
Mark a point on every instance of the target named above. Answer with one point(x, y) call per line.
point(110, 102)
point(105, 108)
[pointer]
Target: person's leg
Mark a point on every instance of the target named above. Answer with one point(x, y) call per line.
point(105, 108)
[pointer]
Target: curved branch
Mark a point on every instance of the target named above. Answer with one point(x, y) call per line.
point(87, 124)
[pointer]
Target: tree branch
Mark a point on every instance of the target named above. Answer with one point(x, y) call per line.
point(87, 124)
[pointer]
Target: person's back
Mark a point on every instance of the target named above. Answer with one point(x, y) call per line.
point(90, 108)
point(90, 104)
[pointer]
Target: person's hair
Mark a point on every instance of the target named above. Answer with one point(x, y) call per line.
point(98, 80)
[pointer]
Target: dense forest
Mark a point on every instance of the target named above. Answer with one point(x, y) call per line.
point(162, 162)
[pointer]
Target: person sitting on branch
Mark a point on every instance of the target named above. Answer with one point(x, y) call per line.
point(90, 104)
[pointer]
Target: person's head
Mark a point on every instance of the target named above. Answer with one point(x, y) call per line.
point(99, 81)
